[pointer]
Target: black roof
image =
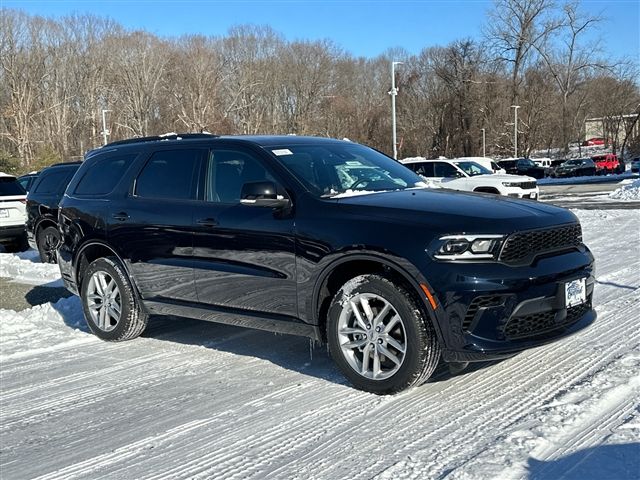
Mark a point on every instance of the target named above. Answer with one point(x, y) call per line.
point(260, 140)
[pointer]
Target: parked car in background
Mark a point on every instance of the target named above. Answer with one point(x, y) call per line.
point(594, 141)
point(607, 163)
point(12, 212)
point(42, 208)
point(274, 233)
point(522, 166)
point(635, 165)
point(486, 162)
point(470, 176)
point(27, 180)
point(576, 168)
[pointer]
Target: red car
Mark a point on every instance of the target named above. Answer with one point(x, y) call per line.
point(594, 141)
point(607, 163)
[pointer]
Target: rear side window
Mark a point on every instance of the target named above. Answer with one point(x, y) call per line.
point(9, 186)
point(54, 182)
point(169, 174)
point(424, 169)
point(103, 175)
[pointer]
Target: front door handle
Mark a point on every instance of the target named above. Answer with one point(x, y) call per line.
point(207, 222)
point(122, 216)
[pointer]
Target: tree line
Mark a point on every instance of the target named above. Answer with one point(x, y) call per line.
point(59, 77)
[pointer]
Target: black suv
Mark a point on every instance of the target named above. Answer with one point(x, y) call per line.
point(42, 208)
point(323, 238)
point(522, 166)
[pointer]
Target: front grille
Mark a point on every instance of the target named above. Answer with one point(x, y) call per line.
point(543, 322)
point(522, 247)
point(528, 185)
point(485, 301)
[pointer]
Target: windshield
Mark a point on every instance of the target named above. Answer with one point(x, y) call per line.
point(328, 170)
point(573, 162)
point(473, 168)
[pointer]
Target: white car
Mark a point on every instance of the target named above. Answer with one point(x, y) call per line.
point(542, 162)
point(470, 176)
point(12, 211)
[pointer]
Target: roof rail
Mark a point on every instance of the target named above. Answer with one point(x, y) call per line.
point(75, 162)
point(156, 138)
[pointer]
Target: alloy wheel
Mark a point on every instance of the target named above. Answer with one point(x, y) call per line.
point(372, 336)
point(103, 300)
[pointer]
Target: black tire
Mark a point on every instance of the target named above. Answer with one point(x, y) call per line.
point(422, 349)
point(132, 318)
point(47, 240)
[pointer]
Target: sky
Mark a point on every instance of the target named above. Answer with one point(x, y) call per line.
point(361, 27)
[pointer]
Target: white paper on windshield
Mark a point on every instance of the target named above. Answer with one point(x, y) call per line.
point(282, 151)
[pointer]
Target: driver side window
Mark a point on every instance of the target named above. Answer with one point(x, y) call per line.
point(227, 171)
point(445, 170)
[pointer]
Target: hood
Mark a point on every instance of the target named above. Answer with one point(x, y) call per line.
point(457, 212)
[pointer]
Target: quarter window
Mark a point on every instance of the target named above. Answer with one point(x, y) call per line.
point(53, 182)
point(103, 175)
point(169, 174)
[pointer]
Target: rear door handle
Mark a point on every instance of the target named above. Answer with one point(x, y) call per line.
point(122, 216)
point(207, 222)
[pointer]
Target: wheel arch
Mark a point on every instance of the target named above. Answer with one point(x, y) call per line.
point(92, 250)
point(493, 190)
point(349, 266)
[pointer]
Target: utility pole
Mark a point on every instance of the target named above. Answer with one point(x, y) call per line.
point(515, 130)
point(484, 144)
point(105, 132)
point(393, 93)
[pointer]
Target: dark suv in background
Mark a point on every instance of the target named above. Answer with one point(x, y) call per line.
point(42, 208)
point(323, 238)
point(523, 166)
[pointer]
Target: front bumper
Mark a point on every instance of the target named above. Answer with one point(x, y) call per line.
point(513, 192)
point(492, 311)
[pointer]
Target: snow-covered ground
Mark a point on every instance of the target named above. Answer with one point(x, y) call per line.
point(196, 400)
point(628, 192)
point(25, 267)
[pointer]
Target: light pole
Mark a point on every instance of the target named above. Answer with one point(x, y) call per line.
point(105, 132)
point(484, 143)
point(515, 130)
point(393, 93)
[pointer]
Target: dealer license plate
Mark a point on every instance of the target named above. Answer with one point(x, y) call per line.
point(4, 213)
point(575, 292)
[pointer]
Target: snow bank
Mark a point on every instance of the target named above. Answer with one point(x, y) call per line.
point(628, 192)
point(25, 267)
point(585, 180)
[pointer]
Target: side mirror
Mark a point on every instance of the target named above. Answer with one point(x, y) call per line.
point(262, 194)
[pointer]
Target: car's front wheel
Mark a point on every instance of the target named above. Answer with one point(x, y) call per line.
point(111, 307)
point(379, 337)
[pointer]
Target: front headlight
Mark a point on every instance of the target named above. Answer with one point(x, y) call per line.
point(467, 247)
point(511, 184)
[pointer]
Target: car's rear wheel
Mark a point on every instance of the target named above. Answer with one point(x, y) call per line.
point(379, 337)
point(111, 307)
point(47, 241)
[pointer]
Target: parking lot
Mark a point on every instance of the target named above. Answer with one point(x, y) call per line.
point(197, 400)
